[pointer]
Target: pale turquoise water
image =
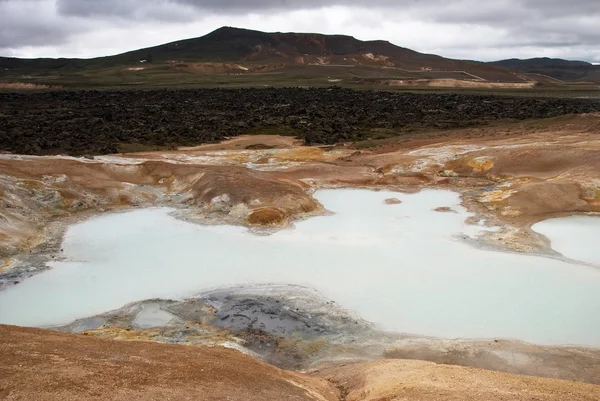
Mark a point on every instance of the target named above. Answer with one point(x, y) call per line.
point(399, 266)
point(576, 237)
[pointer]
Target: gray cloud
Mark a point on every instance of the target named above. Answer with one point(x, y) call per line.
point(85, 8)
point(159, 10)
point(20, 25)
point(442, 10)
point(451, 27)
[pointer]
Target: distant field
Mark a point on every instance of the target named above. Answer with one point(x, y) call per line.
point(163, 76)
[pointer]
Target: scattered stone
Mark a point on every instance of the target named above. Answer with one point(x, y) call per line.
point(444, 209)
point(392, 201)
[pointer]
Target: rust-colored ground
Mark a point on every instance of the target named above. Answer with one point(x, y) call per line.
point(45, 365)
point(516, 173)
point(397, 380)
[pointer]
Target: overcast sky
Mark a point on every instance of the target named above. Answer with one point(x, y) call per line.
point(468, 29)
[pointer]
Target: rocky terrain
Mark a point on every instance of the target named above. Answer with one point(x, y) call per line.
point(509, 173)
point(101, 122)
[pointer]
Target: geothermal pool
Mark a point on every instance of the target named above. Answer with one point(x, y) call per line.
point(575, 237)
point(403, 267)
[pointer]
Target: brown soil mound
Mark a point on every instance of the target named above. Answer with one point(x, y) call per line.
point(267, 216)
point(425, 381)
point(217, 191)
point(548, 197)
point(542, 161)
point(45, 365)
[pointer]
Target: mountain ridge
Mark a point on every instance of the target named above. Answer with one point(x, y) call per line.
point(557, 68)
point(297, 57)
point(228, 44)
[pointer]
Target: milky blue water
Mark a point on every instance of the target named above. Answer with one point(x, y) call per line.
point(575, 237)
point(401, 267)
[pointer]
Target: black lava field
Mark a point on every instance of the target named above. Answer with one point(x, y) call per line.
point(100, 122)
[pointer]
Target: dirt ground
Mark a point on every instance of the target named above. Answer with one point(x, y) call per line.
point(415, 380)
point(45, 365)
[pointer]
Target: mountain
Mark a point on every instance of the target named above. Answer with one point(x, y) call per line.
point(236, 56)
point(236, 45)
point(563, 70)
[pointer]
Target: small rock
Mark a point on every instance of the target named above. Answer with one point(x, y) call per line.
point(392, 201)
point(444, 209)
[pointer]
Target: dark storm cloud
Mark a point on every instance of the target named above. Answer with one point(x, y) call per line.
point(527, 19)
point(29, 23)
point(15, 35)
point(84, 8)
point(464, 10)
point(519, 24)
point(160, 10)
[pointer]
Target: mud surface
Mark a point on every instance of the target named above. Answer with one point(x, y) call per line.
point(289, 326)
point(100, 122)
point(294, 327)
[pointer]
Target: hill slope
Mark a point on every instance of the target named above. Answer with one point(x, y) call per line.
point(39, 364)
point(564, 70)
point(242, 45)
point(233, 51)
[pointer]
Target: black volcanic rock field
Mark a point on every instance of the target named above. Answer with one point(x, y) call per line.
point(100, 122)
